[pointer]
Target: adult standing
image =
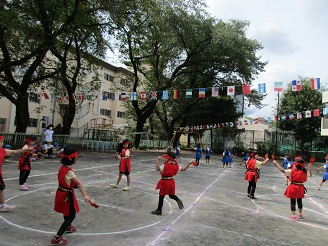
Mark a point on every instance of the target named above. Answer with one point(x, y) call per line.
point(253, 166)
point(48, 134)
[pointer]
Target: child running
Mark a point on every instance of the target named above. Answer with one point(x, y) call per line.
point(65, 200)
point(125, 165)
point(3, 153)
point(24, 163)
point(296, 190)
point(166, 185)
point(198, 156)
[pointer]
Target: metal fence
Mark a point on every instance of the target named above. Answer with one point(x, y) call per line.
point(17, 139)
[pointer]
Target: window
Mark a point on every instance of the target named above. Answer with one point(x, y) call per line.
point(3, 124)
point(125, 82)
point(120, 114)
point(32, 123)
point(105, 112)
point(33, 97)
point(108, 77)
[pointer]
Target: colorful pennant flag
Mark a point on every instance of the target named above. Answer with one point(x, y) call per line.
point(81, 97)
point(296, 85)
point(105, 95)
point(256, 121)
point(154, 95)
point(175, 94)
point(143, 96)
point(165, 95)
point(123, 96)
point(45, 95)
point(246, 89)
point(315, 83)
point(316, 112)
point(201, 93)
point(278, 86)
point(262, 88)
point(215, 91)
point(245, 122)
point(308, 114)
point(189, 93)
point(325, 111)
point(133, 96)
point(269, 120)
point(113, 96)
point(299, 115)
point(291, 116)
point(231, 90)
point(276, 118)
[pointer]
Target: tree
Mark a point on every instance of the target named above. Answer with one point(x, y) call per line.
point(305, 129)
point(29, 30)
point(183, 41)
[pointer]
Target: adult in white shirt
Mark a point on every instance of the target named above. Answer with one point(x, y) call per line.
point(48, 134)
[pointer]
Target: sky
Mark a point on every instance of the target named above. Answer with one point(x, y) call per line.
point(294, 36)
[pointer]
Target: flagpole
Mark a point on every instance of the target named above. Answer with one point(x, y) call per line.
point(277, 124)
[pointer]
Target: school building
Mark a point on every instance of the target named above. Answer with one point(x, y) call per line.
point(98, 102)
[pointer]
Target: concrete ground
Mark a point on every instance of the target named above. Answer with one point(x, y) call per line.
point(217, 210)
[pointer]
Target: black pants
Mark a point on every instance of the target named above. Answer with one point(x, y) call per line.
point(23, 175)
point(161, 201)
point(251, 187)
point(67, 219)
point(197, 160)
point(293, 204)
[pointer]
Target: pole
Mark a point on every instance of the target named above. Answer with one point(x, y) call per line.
point(275, 148)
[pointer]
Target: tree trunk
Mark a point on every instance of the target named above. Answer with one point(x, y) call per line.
point(140, 124)
point(22, 113)
point(69, 116)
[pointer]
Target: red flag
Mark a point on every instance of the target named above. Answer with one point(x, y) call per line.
point(45, 95)
point(143, 96)
point(276, 118)
point(246, 89)
point(316, 112)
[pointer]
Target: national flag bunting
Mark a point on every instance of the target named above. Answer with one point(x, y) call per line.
point(154, 95)
point(105, 95)
point(291, 116)
point(45, 95)
point(123, 96)
point(299, 115)
point(189, 93)
point(315, 83)
point(296, 85)
point(175, 94)
point(201, 93)
point(316, 112)
point(165, 94)
point(262, 88)
point(143, 96)
point(246, 89)
point(231, 90)
point(215, 91)
point(133, 96)
point(308, 114)
point(278, 86)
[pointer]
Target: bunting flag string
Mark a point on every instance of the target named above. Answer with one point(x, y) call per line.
point(186, 93)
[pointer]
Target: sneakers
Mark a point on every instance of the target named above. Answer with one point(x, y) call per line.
point(126, 188)
point(319, 188)
point(114, 185)
point(180, 204)
point(70, 229)
point(156, 212)
point(26, 185)
point(292, 217)
point(300, 216)
point(252, 197)
point(23, 187)
point(6, 207)
point(59, 241)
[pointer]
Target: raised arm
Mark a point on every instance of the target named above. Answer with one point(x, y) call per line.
point(17, 151)
point(185, 167)
point(320, 167)
point(265, 161)
point(158, 167)
point(278, 166)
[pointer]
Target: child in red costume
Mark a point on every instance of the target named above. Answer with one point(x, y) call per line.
point(65, 201)
point(252, 173)
point(125, 165)
point(24, 163)
point(3, 154)
point(166, 185)
point(296, 190)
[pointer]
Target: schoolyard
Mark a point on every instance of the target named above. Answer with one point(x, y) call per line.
point(217, 210)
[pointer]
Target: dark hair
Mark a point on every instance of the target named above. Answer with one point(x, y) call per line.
point(67, 151)
point(171, 154)
point(125, 141)
point(29, 139)
point(51, 125)
point(299, 163)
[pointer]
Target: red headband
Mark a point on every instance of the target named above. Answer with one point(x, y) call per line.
point(70, 156)
point(2, 138)
point(126, 143)
point(168, 157)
